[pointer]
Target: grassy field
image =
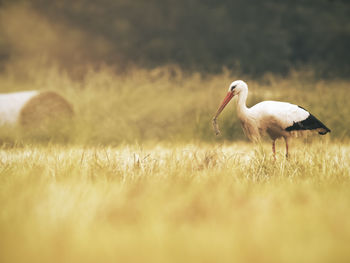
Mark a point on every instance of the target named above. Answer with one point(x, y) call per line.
point(141, 177)
point(166, 104)
point(175, 203)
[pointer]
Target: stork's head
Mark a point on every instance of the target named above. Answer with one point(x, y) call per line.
point(235, 88)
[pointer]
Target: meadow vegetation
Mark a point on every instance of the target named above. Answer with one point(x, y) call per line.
point(138, 174)
point(175, 203)
point(141, 177)
point(168, 104)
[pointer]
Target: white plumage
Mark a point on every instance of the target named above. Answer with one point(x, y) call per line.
point(285, 113)
point(277, 119)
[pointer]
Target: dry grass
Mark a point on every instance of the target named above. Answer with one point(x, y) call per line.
point(175, 203)
point(138, 178)
point(166, 105)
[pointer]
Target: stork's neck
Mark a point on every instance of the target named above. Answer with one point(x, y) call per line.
point(242, 110)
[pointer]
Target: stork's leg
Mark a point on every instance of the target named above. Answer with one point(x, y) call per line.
point(286, 140)
point(274, 149)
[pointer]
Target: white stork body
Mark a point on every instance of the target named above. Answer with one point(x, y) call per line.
point(277, 119)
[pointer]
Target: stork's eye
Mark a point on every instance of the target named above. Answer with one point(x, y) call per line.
point(233, 87)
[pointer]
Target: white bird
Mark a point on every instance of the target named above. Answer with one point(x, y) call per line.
point(277, 119)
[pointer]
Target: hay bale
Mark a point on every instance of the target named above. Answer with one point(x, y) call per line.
point(33, 109)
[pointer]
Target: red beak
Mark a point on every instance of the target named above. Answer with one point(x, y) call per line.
point(226, 100)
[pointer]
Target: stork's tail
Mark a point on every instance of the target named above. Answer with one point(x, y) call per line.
point(310, 123)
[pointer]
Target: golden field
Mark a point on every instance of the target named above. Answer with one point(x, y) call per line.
point(168, 104)
point(140, 176)
point(175, 203)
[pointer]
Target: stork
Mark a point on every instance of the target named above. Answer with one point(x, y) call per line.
point(275, 118)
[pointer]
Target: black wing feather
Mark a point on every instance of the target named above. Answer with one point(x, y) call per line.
point(310, 123)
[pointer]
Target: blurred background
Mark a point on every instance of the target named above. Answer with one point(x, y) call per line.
point(252, 37)
point(157, 69)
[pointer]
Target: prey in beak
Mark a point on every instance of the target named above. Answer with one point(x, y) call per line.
point(226, 100)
